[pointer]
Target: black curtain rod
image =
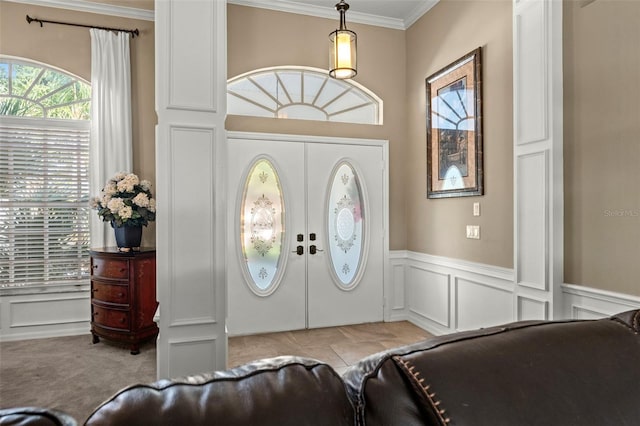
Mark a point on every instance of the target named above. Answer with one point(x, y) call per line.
point(42, 21)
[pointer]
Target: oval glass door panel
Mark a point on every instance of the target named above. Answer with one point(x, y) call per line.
point(345, 220)
point(262, 226)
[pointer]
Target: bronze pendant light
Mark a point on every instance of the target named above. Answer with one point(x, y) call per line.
point(342, 54)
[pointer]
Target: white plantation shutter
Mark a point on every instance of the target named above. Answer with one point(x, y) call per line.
point(44, 193)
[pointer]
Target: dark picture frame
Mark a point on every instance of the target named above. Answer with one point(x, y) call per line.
point(454, 129)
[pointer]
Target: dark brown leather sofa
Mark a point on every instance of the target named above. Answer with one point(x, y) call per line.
point(582, 373)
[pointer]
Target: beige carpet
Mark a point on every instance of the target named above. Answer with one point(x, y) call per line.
point(70, 373)
point(73, 375)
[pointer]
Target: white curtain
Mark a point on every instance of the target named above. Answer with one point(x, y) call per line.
point(111, 148)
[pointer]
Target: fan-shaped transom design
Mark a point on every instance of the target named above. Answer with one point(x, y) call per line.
point(29, 89)
point(302, 93)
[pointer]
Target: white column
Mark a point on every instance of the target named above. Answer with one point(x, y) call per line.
point(538, 180)
point(190, 151)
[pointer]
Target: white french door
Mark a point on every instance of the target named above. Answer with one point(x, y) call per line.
point(305, 235)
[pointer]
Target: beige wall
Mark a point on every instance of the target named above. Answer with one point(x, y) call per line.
point(602, 145)
point(69, 48)
point(450, 30)
point(259, 38)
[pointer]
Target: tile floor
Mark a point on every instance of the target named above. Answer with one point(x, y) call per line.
point(339, 347)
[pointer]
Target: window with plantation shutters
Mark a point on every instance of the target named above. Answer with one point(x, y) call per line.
point(44, 178)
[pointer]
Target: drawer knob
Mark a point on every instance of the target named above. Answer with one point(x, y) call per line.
point(95, 266)
point(120, 294)
point(122, 269)
point(122, 320)
point(95, 314)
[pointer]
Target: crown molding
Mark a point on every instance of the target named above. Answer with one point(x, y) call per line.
point(417, 13)
point(281, 6)
point(330, 13)
point(91, 7)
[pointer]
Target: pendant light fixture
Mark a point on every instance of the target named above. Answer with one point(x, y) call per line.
point(342, 54)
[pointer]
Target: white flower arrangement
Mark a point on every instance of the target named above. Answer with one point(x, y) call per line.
point(125, 200)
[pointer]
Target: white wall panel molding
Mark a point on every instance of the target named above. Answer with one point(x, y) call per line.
point(182, 360)
point(531, 51)
point(532, 220)
point(538, 162)
point(192, 72)
point(481, 304)
point(444, 295)
point(192, 159)
point(531, 308)
point(489, 271)
point(190, 151)
point(429, 293)
point(582, 302)
point(395, 298)
point(44, 315)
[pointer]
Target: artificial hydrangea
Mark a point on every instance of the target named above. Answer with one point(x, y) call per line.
point(125, 201)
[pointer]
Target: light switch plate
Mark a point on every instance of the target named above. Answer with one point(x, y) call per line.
point(476, 209)
point(473, 232)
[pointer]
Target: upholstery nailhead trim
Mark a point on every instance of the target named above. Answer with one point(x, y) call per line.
point(430, 396)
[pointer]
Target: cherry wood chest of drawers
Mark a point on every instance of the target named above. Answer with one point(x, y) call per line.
point(123, 296)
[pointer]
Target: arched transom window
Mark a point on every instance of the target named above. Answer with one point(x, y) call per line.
point(302, 93)
point(28, 89)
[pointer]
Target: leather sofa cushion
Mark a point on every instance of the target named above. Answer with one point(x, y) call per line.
point(35, 416)
point(277, 391)
point(529, 373)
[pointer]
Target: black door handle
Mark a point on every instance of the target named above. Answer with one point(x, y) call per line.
point(299, 251)
point(313, 249)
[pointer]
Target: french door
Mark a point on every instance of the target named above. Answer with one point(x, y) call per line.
point(305, 235)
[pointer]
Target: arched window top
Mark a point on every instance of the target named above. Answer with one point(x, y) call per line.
point(31, 89)
point(302, 93)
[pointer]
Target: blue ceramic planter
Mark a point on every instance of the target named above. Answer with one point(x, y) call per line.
point(128, 237)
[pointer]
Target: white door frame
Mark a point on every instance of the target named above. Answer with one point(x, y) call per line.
point(384, 144)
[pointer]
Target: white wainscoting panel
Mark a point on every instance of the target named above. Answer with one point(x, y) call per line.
point(189, 355)
point(531, 216)
point(582, 302)
point(42, 315)
point(429, 295)
point(480, 304)
point(192, 165)
point(444, 295)
point(395, 300)
point(530, 308)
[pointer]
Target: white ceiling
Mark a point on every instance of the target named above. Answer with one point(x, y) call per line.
point(398, 14)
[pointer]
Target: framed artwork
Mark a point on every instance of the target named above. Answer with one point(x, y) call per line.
point(454, 129)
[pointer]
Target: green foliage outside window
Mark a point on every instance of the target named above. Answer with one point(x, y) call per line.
point(32, 91)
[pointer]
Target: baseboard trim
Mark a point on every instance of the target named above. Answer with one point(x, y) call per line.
point(77, 330)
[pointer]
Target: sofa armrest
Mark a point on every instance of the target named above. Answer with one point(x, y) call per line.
point(527, 373)
point(35, 416)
